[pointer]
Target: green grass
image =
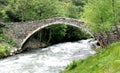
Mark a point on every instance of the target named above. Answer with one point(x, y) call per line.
point(3, 50)
point(6, 39)
point(4, 46)
point(107, 61)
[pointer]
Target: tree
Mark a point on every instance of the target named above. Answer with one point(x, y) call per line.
point(58, 36)
point(24, 10)
point(74, 8)
point(72, 11)
point(98, 15)
point(101, 16)
point(116, 14)
point(74, 34)
point(3, 4)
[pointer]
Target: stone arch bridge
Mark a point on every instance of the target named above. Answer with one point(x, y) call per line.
point(21, 32)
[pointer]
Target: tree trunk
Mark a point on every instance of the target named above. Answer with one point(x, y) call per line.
point(40, 34)
point(49, 37)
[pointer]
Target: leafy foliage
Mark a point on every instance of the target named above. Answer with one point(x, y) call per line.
point(52, 34)
point(23, 10)
point(60, 33)
point(74, 34)
point(99, 15)
point(59, 36)
point(6, 39)
point(3, 50)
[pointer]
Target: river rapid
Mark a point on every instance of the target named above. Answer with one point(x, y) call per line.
point(52, 59)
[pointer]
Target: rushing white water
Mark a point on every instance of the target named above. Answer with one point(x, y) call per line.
point(52, 59)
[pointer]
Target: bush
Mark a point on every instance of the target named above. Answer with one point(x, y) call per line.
point(3, 50)
point(6, 39)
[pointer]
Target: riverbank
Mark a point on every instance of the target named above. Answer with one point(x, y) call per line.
point(6, 44)
point(107, 61)
point(3, 50)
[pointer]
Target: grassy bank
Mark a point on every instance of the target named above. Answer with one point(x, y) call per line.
point(105, 62)
point(3, 50)
point(5, 43)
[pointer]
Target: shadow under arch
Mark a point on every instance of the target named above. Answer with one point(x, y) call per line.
point(47, 25)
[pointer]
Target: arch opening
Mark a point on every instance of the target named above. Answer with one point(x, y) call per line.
point(69, 31)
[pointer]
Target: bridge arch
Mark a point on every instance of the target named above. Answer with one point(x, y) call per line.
point(21, 32)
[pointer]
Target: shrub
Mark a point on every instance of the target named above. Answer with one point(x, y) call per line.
point(3, 50)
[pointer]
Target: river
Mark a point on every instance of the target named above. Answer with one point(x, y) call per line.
point(52, 59)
